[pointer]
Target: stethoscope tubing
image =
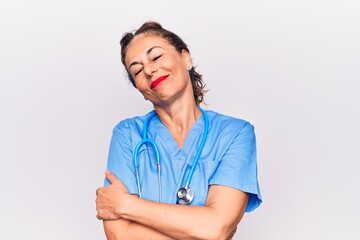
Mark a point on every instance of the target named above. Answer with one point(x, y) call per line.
point(198, 153)
point(147, 140)
point(136, 153)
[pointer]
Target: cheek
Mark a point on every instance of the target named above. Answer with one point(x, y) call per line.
point(139, 83)
point(142, 86)
point(171, 67)
point(172, 64)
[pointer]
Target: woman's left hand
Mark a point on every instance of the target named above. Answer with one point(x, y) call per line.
point(110, 198)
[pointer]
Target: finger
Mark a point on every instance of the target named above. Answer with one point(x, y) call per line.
point(111, 177)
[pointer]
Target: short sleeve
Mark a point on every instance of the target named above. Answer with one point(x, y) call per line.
point(120, 157)
point(238, 167)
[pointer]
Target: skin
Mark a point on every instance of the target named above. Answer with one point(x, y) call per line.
point(127, 216)
point(173, 99)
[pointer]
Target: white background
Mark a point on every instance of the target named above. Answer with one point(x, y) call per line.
point(291, 68)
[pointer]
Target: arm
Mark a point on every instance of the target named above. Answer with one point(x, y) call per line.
point(115, 228)
point(223, 209)
point(120, 162)
point(124, 229)
point(216, 220)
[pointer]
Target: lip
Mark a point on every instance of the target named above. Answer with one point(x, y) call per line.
point(155, 83)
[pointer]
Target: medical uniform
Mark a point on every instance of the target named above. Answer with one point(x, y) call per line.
point(228, 158)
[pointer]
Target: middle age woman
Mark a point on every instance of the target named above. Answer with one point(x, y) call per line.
point(225, 178)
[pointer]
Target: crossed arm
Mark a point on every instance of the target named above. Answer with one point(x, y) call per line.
point(127, 216)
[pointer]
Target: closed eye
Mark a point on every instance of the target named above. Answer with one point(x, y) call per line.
point(154, 59)
point(157, 57)
point(137, 73)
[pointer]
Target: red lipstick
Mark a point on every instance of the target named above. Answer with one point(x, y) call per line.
point(155, 83)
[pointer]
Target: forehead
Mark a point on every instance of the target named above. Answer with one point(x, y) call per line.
point(141, 43)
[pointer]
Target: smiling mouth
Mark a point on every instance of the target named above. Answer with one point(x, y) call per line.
point(155, 83)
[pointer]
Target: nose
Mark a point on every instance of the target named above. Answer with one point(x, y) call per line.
point(150, 69)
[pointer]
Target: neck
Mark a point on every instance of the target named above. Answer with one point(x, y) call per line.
point(179, 111)
point(179, 118)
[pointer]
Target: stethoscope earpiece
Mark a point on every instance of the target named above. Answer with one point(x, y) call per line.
point(185, 196)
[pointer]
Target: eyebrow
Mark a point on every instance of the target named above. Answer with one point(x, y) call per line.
point(147, 53)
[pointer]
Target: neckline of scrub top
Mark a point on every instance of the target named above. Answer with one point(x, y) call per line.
point(195, 134)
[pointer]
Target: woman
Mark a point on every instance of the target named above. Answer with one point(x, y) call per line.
point(217, 152)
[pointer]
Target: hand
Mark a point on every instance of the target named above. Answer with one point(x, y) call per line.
point(110, 199)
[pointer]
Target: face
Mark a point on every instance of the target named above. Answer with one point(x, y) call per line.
point(159, 71)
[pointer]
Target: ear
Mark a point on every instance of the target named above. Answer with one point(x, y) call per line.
point(187, 58)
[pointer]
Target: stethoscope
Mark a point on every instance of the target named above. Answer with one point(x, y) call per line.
point(184, 195)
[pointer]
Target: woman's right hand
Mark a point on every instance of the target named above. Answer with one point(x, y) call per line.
point(110, 199)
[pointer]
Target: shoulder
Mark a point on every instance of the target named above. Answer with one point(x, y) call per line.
point(228, 124)
point(136, 122)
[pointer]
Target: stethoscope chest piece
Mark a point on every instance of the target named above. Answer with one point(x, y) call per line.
point(185, 196)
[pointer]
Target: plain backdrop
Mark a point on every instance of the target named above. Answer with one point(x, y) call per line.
point(291, 68)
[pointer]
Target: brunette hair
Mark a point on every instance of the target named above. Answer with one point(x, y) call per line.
point(155, 28)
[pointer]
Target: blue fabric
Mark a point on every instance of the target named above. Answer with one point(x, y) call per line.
point(228, 158)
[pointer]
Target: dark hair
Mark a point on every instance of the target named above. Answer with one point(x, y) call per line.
point(156, 29)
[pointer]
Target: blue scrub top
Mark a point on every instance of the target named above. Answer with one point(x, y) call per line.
point(228, 158)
